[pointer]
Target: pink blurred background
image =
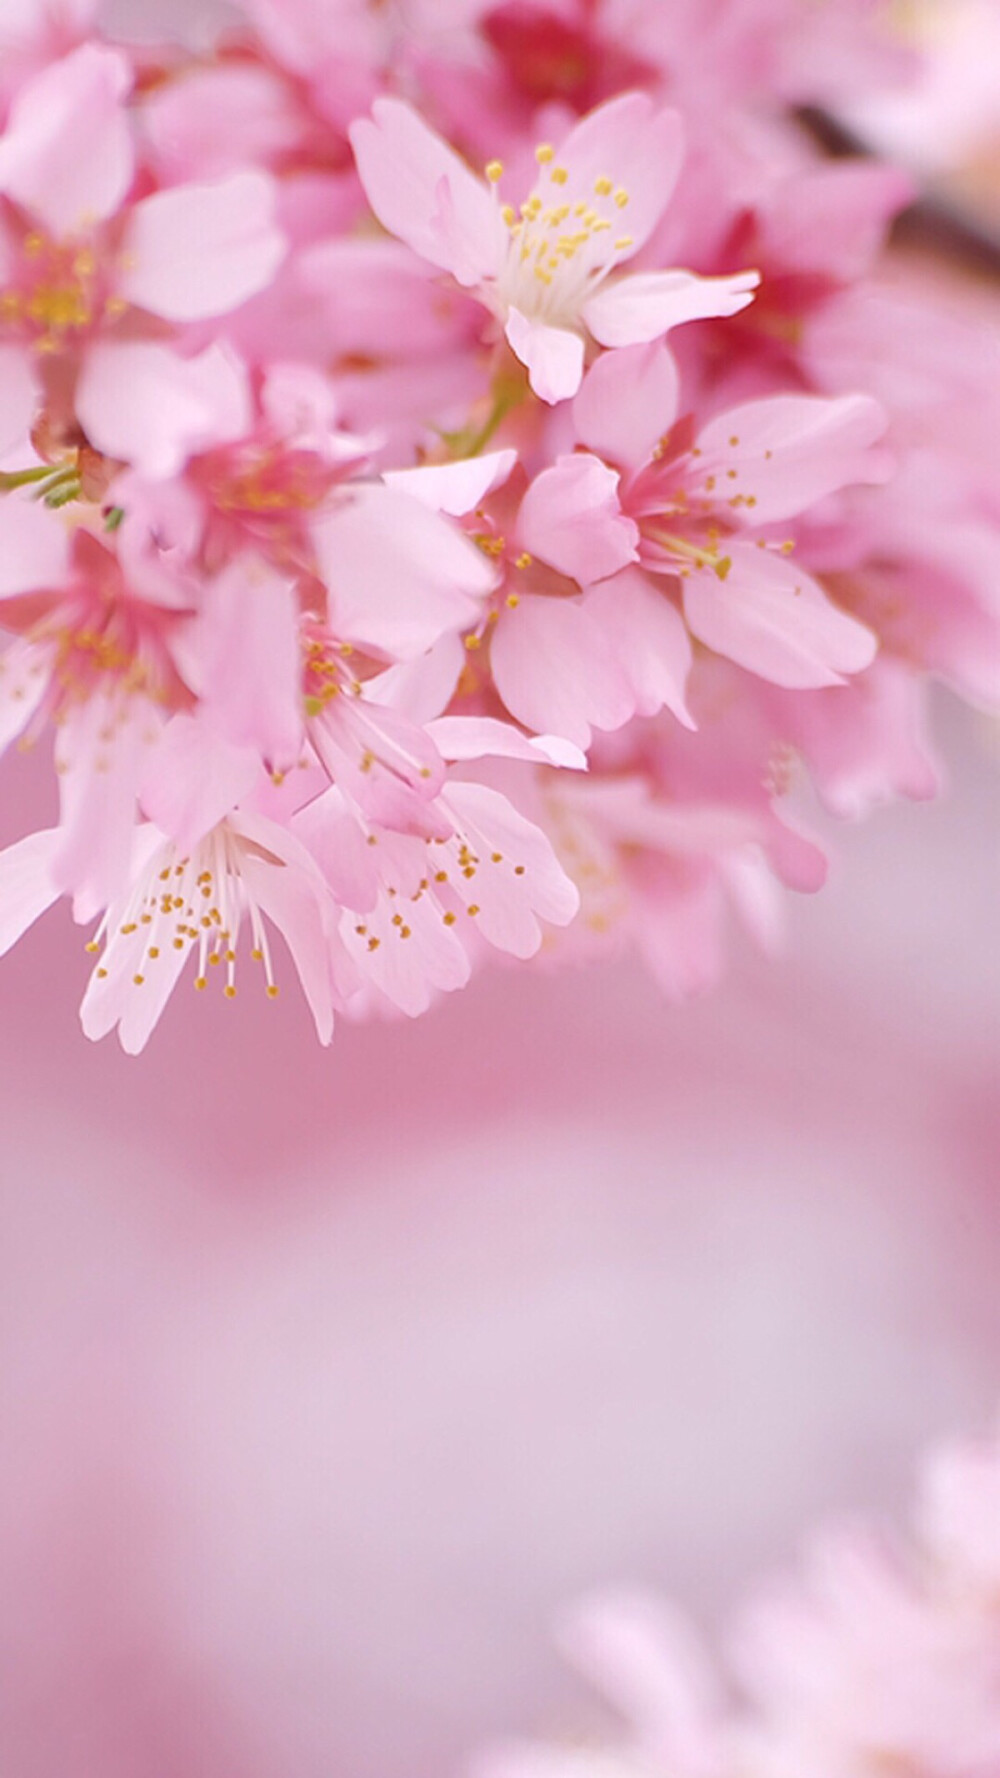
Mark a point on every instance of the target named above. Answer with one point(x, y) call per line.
point(328, 1376)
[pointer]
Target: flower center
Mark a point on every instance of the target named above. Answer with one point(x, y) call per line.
point(562, 241)
point(57, 292)
point(192, 903)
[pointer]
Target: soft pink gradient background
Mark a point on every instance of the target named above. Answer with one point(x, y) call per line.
point(329, 1375)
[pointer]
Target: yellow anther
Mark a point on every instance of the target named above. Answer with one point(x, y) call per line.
point(509, 215)
point(472, 643)
point(544, 153)
point(603, 186)
point(621, 197)
point(494, 171)
point(473, 908)
point(523, 561)
point(229, 991)
point(512, 601)
point(559, 175)
point(449, 919)
point(623, 242)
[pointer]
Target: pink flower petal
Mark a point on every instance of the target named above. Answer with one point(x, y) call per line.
point(26, 886)
point(288, 896)
point(771, 617)
point(648, 1664)
point(18, 397)
point(401, 164)
point(643, 306)
point(101, 748)
point(554, 670)
point(34, 547)
point(639, 147)
point(647, 635)
point(483, 737)
point(66, 154)
point(517, 881)
point(144, 404)
point(334, 837)
point(627, 401)
point(248, 636)
point(571, 518)
point(194, 779)
point(407, 970)
point(25, 674)
point(553, 356)
point(788, 451)
point(455, 488)
point(398, 575)
point(200, 250)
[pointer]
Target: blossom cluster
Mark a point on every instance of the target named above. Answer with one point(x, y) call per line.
point(458, 474)
point(877, 1657)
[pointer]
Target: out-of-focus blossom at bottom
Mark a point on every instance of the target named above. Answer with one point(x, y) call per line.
point(877, 1657)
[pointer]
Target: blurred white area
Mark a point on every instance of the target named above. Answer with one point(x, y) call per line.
point(330, 1375)
point(951, 114)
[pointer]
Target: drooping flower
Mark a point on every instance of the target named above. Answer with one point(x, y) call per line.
point(184, 903)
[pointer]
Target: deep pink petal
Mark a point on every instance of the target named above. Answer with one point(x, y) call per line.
point(200, 250)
